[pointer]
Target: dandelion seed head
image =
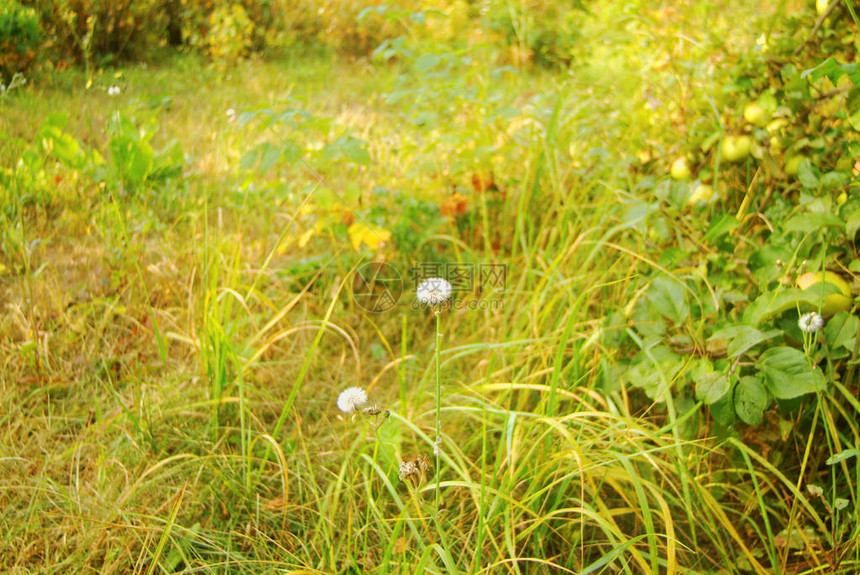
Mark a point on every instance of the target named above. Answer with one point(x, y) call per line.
point(810, 322)
point(351, 399)
point(407, 470)
point(433, 291)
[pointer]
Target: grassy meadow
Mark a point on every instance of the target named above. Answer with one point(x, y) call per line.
point(625, 387)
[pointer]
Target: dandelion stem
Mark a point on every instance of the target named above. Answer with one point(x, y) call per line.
point(437, 449)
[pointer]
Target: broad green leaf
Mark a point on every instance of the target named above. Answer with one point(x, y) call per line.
point(426, 62)
point(711, 387)
point(809, 222)
point(788, 373)
point(807, 175)
point(852, 224)
point(653, 370)
point(770, 304)
point(741, 338)
point(751, 399)
point(270, 157)
point(668, 296)
point(348, 149)
point(841, 330)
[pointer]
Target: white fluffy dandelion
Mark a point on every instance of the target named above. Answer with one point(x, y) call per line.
point(113, 91)
point(351, 399)
point(810, 322)
point(433, 291)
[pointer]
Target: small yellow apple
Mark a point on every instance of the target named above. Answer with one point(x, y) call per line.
point(755, 115)
point(702, 193)
point(680, 170)
point(736, 148)
point(836, 298)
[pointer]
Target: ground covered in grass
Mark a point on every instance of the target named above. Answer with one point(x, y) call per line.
point(197, 260)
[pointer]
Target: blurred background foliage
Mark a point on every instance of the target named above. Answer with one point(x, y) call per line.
point(99, 32)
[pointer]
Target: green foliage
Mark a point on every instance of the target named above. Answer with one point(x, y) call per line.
point(20, 39)
point(230, 34)
point(643, 401)
point(98, 32)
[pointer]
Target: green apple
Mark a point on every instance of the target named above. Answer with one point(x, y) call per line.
point(680, 170)
point(755, 115)
point(736, 148)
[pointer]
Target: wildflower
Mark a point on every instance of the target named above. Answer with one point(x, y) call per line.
point(231, 114)
point(433, 291)
point(810, 322)
point(351, 399)
point(113, 91)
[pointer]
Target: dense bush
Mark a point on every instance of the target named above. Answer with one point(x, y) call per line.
point(20, 37)
point(100, 31)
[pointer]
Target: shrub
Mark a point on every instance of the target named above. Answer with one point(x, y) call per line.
point(99, 31)
point(20, 38)
point(230, 34)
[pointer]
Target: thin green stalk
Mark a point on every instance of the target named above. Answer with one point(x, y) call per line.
point(437, 449)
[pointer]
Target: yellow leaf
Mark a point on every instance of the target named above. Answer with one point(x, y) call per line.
point(373, 236)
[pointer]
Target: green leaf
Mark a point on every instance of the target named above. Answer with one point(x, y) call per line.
point(770, 304)
point(788, 373)
point(668, 296)
point(742, 338)
point(722, 226)
point(270, 157)
point(348, 149)
point(841, 330)
point(711, 387)
point(833, 70)
point(806, 174)
point(751, 400)
point(852, 224)
point(810, 222)
point(426, 62)
point(842, 456)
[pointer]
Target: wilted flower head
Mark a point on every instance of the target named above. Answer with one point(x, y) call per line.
point(407, 470)
point(113, 91)
point(413, 468)
point(433, 291)
point(351, 399)
point(810, 322)
point(815, 490)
